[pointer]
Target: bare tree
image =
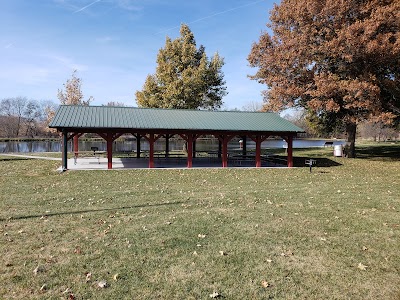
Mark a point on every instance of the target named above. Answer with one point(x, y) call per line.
point(13, 109)
point(115, 103)
point(31, 116)
point(253, 106)
point(378, 131)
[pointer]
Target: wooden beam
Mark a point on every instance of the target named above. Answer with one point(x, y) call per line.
point(190, 140)
point(151, 140)
point(258, 139)
point(224, 139)
point(258, 151)
point(109, 140)
point(64, 150)
point(290, 152)
point(138, 138)
point(190, 150)
point(103, 135)
point(72, 135)
point(289, 141)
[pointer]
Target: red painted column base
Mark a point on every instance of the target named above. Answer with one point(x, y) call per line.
point(290, 152)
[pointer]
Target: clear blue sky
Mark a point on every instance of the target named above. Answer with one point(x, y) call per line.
point(114, 43)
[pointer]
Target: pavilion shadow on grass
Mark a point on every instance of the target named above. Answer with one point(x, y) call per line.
point(111, 122)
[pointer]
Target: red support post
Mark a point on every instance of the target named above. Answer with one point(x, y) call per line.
point(64, 146)
point(290, 151)
point(258, 151)
point(151, 152)
point(190, 150)
point(109, 150)
point(225, 152)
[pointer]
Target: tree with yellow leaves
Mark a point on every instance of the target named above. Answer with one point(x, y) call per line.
point(73, 94)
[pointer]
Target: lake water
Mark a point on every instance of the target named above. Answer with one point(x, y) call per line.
point(174, 144)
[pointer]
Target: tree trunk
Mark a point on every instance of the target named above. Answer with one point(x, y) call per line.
point(351, 129)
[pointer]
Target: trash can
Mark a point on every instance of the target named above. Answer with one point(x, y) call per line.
point(338, 150)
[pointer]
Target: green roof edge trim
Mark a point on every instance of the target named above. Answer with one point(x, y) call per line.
point(133, 118)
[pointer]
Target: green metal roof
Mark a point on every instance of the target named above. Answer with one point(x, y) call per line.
point(110, 117)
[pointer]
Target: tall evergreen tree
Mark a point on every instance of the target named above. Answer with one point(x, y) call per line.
point(185, 77)
point(338, 57)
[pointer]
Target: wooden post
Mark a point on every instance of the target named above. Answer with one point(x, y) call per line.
point(258, 151)
point(64, 150)
point(151, 152)
point(194, 148)
point(290, 151)
point(219, 148)
point(225, 152)
point(109, 149)
point(190, 150)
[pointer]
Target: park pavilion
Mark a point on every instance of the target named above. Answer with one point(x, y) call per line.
point(151, 124)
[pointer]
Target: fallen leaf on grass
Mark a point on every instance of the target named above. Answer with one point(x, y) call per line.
point(222, 253)
point(202, 236)
point(215, 295)
point(43, 287)
point(364, 248)
point(88, 276)
point(361, 266)
point(38, 269)
point(287, 253)
point(116, 277)
point(102, 284)
point(265, 283)
point(269, 260)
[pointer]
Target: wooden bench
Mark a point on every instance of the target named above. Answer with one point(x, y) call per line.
point(96, 154)
point(238, 159)
point(275, 159)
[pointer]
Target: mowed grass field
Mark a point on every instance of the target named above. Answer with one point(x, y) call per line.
point(191, 234)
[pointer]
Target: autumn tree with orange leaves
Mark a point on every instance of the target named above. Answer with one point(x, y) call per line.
point(340, 57)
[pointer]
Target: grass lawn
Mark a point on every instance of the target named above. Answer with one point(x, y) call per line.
point(186, 234)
